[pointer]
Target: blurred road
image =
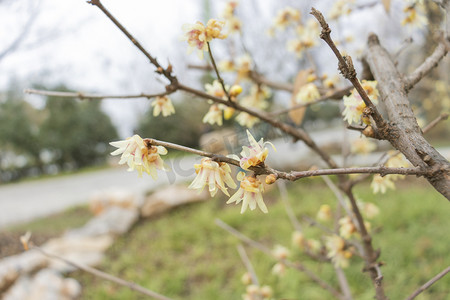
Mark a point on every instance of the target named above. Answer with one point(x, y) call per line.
point(21, 202)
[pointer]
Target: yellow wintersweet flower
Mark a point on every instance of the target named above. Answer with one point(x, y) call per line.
point(246, 120)
point(140, 156)
point(214, 115)
point(214, 174)
point(298, 239)
point(337, 251)
point(225, 66)
point(285, 17)
point(215, 89)
point(381, 184)
point(255, 154)
point(414, 16)
point(346, 227)
point(164, 105)
point(197, 35)
point(280, 252)
point(250, 193)
point(324, 213)
point(340, 8)
point(307, 93)
point(354, 105)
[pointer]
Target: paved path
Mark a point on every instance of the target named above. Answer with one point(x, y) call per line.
point(21, 202)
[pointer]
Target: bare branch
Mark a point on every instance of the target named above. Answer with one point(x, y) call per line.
point(347, 69)
point(293, 175)
point(83, 96)
point(429, 64)
point(222, 83)
point(131, 285)
point(248, 264)
point(159, 69)
point(429, 283)
point(288, 263)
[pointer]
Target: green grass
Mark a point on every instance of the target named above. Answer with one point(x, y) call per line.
point(184, 255)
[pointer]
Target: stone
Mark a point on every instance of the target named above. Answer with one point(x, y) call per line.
point(45, 285)
point(14, 266)
point(169, 197)
point(102, 200)
point(114, 220)
point(82, 250)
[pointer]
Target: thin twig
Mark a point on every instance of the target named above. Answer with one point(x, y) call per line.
point(248, 264)
point(131, 285)
point(288, 263)
point(336, 95)
point(287, 206)
point(222, 83)
point(429, 64)
point(347, 69)
point(293, 175)
point(429, 283)
point(82, 96)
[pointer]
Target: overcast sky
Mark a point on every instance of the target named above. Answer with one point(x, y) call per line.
point(72, 42)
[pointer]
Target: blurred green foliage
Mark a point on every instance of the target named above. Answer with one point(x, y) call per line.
point(66, 134)
point(184, 255)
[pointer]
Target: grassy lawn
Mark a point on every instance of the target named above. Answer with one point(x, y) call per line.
point(184, 255)
point(42, 229)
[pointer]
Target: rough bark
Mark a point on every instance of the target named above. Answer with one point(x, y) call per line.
point(405, 134)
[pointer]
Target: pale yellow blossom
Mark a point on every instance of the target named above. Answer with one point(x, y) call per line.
point(164, 105)
point(214, 174)
point(215, 89)
point(346, 227)
point(254, 155)
point(140, 156)
point(324, 213)
point(354, 105)
point(307, 93)
point(279, 269)
point(298, 239)
point(285, 17)
point(414, 16)
point(246, 120)
point(226, 66)
point(340, 8)
point(381, 184)
point(214, 115)
point(197, 35)
point(250, 193)
point(337, 251)
point(280, 252)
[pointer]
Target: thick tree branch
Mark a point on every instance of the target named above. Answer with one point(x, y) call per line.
point(405, 134)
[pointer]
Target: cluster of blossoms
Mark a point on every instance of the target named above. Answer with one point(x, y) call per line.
point(354, 105)
point(214, 174)
point(163, 105)
point(379, 183)
point(340, 8)
point(280, 253)
point(232, 21)
point(306, 37)
point(198, 35)
point(254, 292)
point(307, 93)
point(414, 15)
point(140, 156)
point(216, 111)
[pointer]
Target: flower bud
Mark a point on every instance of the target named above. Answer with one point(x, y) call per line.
point(271, 178)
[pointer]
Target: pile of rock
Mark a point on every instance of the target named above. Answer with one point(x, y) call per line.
point(31, 275)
